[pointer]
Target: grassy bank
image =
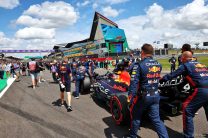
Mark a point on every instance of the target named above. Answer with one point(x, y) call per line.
point(166, 64)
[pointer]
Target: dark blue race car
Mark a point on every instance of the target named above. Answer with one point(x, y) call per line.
point(115, 94)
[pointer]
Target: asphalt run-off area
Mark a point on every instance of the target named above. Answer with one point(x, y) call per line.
point(28, 113)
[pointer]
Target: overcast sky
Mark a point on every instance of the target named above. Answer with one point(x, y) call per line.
point(39, 24)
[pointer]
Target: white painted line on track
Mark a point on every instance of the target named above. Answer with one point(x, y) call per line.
point(9, 83)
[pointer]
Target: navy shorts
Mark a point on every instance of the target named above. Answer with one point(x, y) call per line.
point(67, 87)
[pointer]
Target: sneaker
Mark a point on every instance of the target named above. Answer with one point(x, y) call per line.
point(69, 108)
point(39, 82)
point(77, 97)
point(33, 87)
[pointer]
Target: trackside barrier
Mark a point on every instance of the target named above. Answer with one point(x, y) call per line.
point(3, 82)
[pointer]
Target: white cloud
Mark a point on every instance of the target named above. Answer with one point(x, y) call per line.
point(94, 5)
point(41, 22)
point(168, 35)
point(49, 15)
point(116, 1)
point(8, 43)
point(205, 31)
point(110, 12)
point(19, 44)
point(186, 24)
point(34, 44)
point(85, 3)
point(192, 16)
point(35, 33)
point(40, 44)
point(9, 4)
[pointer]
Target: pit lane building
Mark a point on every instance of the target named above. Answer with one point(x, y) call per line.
point(106, 39)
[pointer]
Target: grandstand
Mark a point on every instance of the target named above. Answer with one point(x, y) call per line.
point(106, 39)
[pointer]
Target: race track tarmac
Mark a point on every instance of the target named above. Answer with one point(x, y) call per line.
point(28, 113)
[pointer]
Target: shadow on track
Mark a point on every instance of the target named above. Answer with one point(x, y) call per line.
point(114, 130)
point(54, 127)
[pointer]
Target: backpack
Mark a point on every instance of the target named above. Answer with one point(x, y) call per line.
point(32, 66)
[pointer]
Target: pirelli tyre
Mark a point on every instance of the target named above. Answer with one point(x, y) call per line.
point(119, 109)
point(85, 86)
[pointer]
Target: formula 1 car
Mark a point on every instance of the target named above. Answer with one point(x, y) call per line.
point(115, 95)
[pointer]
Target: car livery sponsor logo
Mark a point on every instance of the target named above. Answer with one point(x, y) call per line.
point(153, 81)
point(200, 66)
point(119, 88)
point(154, 69)
point(102, 88)
point(134, 71)
point(201, 69)
point(135, 67)
point(154, 75)
point(132, 77)
point(152, 64)
point(171, 83)
point(204, 74)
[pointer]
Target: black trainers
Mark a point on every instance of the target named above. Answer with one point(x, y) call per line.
point(69, 109)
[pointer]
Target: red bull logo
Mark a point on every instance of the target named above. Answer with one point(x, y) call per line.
point(155, 75)
point(201, 69)
point(154, 69)
point(120, 88)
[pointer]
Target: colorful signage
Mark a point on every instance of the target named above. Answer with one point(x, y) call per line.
point(26, 51)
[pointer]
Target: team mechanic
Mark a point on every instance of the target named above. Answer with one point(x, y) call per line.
point(197, 76)
point(64, 72)
point(80, 76)
point(73, 68)
point(187, 47)
point(143, 92)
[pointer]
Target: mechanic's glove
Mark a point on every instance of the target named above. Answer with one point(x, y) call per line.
point(130, 99)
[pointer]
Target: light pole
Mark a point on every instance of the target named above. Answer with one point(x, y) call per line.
point(197, 45)
point(154, 43)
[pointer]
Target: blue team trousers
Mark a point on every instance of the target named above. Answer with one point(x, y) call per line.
point(151, 104)
point(198, 99)
point(78, 86)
